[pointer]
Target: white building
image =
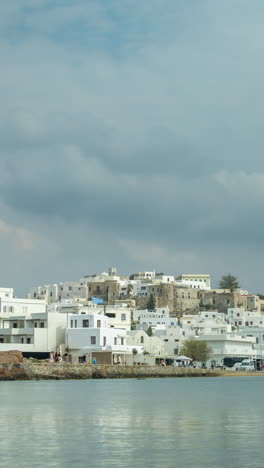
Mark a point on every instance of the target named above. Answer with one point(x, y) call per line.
point(13, 305)
point(161, 316)
point(172, 339)
point(87, 333)
point(195, 281)
point(58, 292)
point(119, 316)
point(258, 334)
point(239, 317)
point(32, 333)
point(165, 278)
point(152, 345)
point(6, 292)
point(228, 345)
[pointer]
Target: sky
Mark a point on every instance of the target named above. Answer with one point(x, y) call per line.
point(131, 135)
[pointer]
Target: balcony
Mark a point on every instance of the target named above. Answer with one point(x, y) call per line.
point(16, 331)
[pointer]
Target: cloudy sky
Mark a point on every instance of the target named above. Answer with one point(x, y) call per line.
point(131, 134)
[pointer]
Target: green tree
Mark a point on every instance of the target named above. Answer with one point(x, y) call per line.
point(229, 282)
point(151, 304)
point(149, 331)
point(196, 350)
point(134, 351)
point(130, 290)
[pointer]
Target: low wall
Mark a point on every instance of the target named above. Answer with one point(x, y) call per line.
point(47, 371)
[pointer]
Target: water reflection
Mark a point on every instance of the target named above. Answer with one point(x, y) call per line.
point(129, 423)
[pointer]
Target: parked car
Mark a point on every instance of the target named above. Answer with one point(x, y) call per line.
point(247, 365)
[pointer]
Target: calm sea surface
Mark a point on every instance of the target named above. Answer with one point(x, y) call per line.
point(199, 422)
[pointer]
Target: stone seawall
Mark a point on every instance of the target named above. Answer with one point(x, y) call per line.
point(47, 371)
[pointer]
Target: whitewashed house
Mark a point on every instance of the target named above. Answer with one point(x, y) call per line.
point(161, 316)
point(57, 292)
point(239, 317)
point(87, 333)
point(14, 305)
point(194, 281)
point(152, 345)
point(34, 333)
point(119, 316)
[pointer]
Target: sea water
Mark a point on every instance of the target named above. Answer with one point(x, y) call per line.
point(177, 422)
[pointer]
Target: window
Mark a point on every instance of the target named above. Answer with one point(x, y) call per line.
point(239, 323)
point(35, 294)
point(104, 341)
point(142, 339)
point(238, 314)
point(85, 323)
point(251, 323)
point(35, 325)
point(98, 323)
point(75, 323)
point(93, 339)
point(246, 324)
point(14, 325)
point(22, 340)
point(176, 351)
point(115, 341)
point(70, 288)
point(257, 340)
point(50, 293)
point(41, 324)
point(28, 340)
point(123, 316)
point(11, 309)
point(71, 323)
point(166, 340)
point(122, 340)
point(4, 308)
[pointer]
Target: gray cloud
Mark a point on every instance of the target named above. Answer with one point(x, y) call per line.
point(136, 132)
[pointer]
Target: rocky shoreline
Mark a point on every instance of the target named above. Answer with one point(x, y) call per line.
point(50, 371)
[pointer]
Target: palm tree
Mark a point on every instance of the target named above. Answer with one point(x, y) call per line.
point(229, 282)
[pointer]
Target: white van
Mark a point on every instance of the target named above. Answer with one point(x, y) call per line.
point(247, 365)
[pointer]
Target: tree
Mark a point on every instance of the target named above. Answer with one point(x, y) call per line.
point(149, 331)
point(151, 304)
point(130, 290)
point(229, 282)
point(134, 351)
point(196, 350)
